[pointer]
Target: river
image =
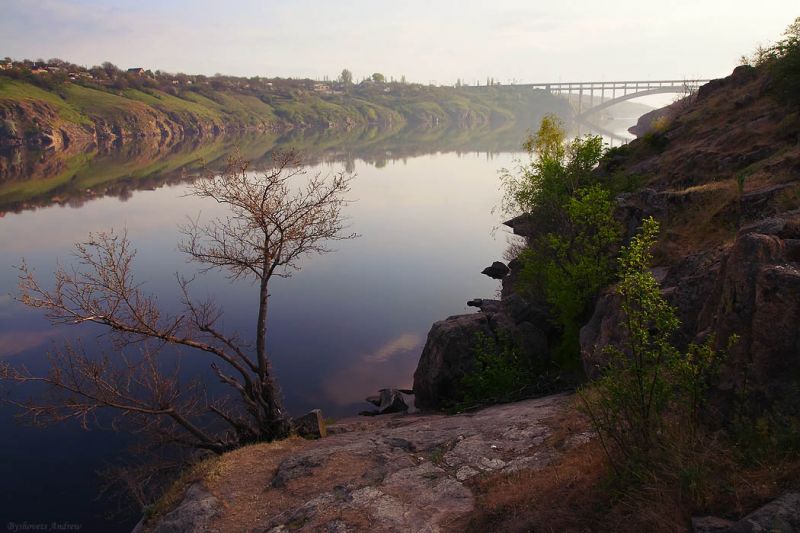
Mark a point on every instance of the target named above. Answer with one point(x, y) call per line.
point(348, 323)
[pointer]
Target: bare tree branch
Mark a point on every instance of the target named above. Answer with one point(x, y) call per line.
point(275, 218)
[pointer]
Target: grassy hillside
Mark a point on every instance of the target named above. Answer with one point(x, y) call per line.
point(49, 112)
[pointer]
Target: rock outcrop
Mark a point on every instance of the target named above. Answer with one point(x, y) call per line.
point(750, 289)
point(380, 474)
point(451, 348)
point(194, 513)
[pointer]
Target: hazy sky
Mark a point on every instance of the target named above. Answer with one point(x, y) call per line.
point(425, 40)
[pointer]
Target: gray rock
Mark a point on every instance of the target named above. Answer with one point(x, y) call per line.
point(391, 401)
point(521, 225)
point(194, 513)
point(710, 524)
point(779, 516)
point(294, 468)
point(406, 473)
point(311, 425)
point(448, 356)
point(602, 330)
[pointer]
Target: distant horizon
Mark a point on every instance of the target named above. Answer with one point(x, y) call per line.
point(325, 79)
point(512, 42)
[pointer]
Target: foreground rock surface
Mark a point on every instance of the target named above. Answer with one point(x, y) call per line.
point(393, 473)
point(781, 515)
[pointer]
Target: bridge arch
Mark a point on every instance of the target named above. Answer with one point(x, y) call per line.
point(630, 96)
point(619, 91)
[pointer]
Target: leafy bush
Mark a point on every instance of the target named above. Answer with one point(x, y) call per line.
point(556, 170)
point(648, 382)
point(501, 371)
point(572, 266)
point(783, 61)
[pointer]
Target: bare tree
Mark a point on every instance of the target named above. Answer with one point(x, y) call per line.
point(275, 218)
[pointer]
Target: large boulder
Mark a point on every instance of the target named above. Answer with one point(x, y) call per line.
point(450, 351)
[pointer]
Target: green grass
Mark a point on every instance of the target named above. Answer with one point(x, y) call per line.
point(15, 90)
point(173, 104)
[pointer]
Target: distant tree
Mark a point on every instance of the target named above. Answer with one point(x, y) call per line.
point(378, 77)
point(110, 69)
point(403, 79)
point(274, 219)
point(346, 77)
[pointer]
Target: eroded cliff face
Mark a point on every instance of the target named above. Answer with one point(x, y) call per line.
point(37, 124)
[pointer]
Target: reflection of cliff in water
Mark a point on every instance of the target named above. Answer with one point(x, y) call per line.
point(29, 180)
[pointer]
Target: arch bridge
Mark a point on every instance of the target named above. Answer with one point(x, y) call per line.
point(614, 92)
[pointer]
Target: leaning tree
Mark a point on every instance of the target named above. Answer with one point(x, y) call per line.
point(275, 217)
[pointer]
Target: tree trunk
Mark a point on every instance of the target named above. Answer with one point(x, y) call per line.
point(274, 424)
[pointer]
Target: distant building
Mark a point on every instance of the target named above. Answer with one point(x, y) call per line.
point(136, 70)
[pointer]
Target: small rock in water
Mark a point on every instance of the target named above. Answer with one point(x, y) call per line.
point(392, 401)
point(498, 270)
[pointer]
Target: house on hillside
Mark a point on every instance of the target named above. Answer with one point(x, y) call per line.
point(136, 70)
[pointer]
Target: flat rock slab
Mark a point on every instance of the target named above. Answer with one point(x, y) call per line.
point(394, 473)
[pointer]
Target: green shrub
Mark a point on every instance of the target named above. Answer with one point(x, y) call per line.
point(785, 64)
point(556, 170)
point(648, 382)
point(501, 371)
point(573, 265)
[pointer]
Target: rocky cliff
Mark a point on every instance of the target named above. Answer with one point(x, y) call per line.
point(721, 172)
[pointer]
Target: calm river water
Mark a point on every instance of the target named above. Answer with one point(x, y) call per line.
point(350, 322)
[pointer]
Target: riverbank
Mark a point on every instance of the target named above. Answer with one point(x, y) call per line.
point(61, 114)
point(382, 474)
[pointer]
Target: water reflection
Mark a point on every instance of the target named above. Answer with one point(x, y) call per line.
point(29, 180)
